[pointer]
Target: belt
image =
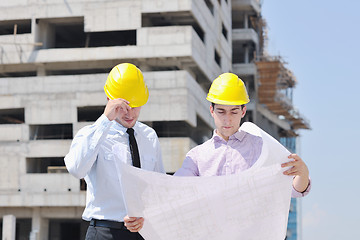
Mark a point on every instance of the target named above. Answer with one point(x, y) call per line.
point(107, 224)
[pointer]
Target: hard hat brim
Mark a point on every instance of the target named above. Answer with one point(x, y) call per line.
point(223, 102)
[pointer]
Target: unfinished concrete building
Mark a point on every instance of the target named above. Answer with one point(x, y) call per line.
point(55, 56)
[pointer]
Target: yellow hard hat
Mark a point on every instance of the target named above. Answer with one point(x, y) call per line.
point(228, 89)
point(126, 81)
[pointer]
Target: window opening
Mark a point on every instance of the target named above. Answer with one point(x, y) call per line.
point(224, 31)
point(20, 26)
point(210, 6)
point(45, 165)
point(217, 58)
point(89, 113)
point(12, 116)
point(51, 131)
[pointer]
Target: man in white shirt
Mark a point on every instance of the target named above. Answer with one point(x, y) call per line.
point(91, 155)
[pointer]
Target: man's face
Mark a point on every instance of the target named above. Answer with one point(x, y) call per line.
point(129, 119)
point(227, 119)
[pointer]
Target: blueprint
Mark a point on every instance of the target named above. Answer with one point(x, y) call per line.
point(251, 205)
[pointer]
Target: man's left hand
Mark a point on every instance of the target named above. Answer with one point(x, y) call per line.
point(133, 224)
point(298, 169)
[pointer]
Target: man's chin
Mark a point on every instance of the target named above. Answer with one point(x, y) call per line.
point(126, 124)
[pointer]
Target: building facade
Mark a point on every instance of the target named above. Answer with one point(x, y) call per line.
point(54, 60)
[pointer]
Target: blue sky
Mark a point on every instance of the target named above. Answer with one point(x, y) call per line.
point(320, 40)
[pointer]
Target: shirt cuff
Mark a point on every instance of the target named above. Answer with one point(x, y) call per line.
point(103, 121)
point(297, 194)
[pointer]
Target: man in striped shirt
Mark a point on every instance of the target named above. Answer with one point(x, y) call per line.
point(231, 150)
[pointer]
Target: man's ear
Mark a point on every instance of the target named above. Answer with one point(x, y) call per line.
point(243, 111)
point(211, 110)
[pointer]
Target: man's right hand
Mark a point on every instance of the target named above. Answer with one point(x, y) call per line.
point(116, 108)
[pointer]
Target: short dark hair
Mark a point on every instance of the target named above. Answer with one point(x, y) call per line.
point(213, 105)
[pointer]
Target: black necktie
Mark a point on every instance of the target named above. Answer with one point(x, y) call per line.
point(133, 148)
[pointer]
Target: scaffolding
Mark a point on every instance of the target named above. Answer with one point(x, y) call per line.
point(275, 83)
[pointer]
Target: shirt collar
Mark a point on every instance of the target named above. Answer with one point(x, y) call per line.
point(239, 135)
point(216, 137)
point(122, 130)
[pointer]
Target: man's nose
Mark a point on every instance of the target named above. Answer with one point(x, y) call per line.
point(227, 119)
point(131, 113)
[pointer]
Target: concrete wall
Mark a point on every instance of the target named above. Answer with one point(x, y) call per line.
point(119, 15)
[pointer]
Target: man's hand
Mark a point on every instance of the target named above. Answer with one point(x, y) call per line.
point(116, 108)
point(298, 169)
point(133, 224)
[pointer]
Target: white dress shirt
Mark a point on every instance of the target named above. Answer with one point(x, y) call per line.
point(92, 157)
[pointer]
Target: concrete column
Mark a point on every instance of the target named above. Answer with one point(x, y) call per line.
point(40, 226)
point(246, 53)
point(35, 34)
point(246, 21)
point(44, 33)
point(9, 227)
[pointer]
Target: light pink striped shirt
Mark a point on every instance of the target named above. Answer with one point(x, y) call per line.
point(217, 157)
